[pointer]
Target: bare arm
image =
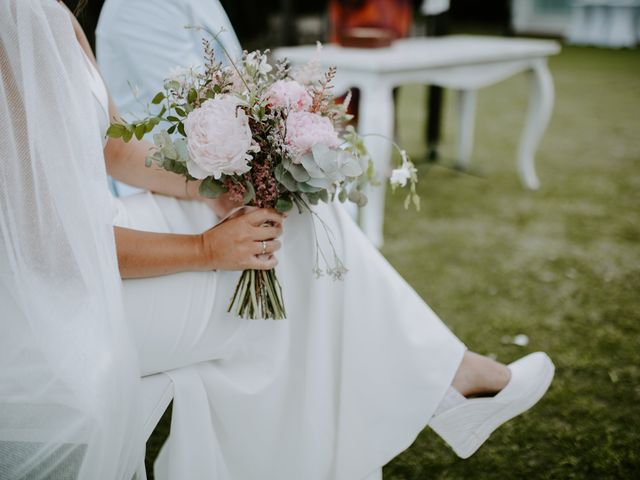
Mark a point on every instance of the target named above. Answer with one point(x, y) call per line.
point(236, 244)
point(126, 162)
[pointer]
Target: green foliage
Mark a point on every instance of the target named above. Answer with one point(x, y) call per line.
point(249, 193)
point(284, 204)
point(160, 96)
point(211, 188)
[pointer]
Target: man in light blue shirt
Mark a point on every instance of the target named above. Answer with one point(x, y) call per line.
point(138, 42)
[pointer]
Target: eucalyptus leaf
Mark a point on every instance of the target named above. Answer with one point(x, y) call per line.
point(211, 188)
point(298, 172)
point(326, 158)
point(181, 149)
point(249, 193)
point(165, 145)
point(320, 183)
point(285, 178)
point(311, 166)
point(306, 188)
point(350, 166)
point(313, 198)
point(284, 204)
point(357, 197)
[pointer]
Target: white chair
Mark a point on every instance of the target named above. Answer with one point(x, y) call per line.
point(156, 394)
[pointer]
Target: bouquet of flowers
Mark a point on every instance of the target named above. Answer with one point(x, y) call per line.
point(268, 137)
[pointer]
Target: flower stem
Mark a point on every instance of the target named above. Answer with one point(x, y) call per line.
point(258, 295)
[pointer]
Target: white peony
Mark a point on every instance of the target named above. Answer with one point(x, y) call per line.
point(306, 129)
point(219, 139)
point(289, 94)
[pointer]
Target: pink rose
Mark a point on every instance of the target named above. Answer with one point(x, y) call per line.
point(218, 138)
point(305, 129)
point(288, 94)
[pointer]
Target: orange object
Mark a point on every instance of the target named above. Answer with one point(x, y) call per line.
point(369, 23)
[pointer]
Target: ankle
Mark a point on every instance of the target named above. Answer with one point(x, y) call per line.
point(479, 375)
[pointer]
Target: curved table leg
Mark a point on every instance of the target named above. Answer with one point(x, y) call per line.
point(540, 107)
point(376, 116)
point(466, 124)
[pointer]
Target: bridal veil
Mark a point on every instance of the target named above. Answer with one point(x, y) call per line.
point(68, 371)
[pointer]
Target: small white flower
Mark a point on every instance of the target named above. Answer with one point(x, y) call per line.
point(400, 176)
point(258, 62)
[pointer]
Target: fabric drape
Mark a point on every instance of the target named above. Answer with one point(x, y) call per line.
point(68, 372)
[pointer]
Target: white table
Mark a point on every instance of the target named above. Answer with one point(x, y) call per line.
point(463, 63)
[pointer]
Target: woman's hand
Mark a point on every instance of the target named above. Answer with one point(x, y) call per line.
point(244, 242)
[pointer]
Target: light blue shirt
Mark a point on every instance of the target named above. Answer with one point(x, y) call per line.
point(139, 41)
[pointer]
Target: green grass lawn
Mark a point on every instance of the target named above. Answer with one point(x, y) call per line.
point(561, 265)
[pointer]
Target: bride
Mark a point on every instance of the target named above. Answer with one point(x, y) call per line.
point(338, 389)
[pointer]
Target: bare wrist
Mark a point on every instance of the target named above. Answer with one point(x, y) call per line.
point(193, 190)
point(204, 260)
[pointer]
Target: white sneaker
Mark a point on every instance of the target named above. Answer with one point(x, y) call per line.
point(466, 426)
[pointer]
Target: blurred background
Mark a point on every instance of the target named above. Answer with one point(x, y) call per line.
point(509, 269)
point(290, 22)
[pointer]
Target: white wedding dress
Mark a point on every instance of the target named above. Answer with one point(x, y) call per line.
point(333, 392)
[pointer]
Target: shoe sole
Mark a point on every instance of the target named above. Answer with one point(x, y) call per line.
point(482, 433)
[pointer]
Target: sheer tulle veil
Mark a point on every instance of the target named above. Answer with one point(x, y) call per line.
point(68, 372)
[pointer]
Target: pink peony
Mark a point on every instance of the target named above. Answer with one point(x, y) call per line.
point(218, 139)
point(289, 94)
point(305, 129)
